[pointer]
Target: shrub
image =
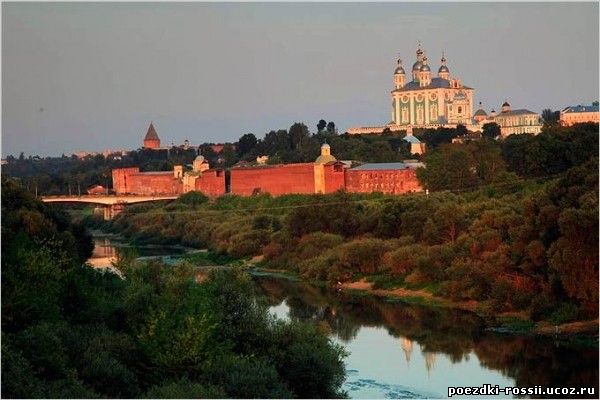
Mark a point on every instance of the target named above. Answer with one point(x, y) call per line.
point(403, 261)
point(192, 198)
point(566, 312)
point(247, 243)
point(363, 255)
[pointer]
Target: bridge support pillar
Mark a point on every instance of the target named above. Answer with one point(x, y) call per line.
point(112, 210)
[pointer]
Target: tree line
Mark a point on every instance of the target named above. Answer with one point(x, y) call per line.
point(69, 331)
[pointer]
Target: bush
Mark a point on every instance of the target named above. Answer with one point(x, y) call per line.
point(403, 261)
point(247, 243)
point(363, 255)
point(192, 198)
point(566, 312)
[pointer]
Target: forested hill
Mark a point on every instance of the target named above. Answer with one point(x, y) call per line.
point(69, 331)
point(511, 231)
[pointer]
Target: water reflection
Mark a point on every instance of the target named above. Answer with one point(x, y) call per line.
point(104, 247)
point(400, 350)
point(110, 245)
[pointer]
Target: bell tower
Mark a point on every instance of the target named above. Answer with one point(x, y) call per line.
point(399, 75)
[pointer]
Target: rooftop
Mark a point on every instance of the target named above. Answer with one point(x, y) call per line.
point(436, 83)
point(383, 166)
point(520, 111)
point(155, 173)
point(151, 134)
point(411, 139)
point(580, 108)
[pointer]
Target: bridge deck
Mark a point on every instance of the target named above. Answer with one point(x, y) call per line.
point(106, 200)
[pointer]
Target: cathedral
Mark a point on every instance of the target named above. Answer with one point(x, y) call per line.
point(422, 100)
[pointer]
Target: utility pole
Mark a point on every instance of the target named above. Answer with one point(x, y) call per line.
point(79, 189)
point(36, 190)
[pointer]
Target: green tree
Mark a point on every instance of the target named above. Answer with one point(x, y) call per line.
point(246, 144)
point(450, 167)
point(298, 134)
point(491, 130)
point(331, 127)
point(321, 125)
point(549, 116)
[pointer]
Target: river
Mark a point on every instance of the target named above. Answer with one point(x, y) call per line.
point(399, 350)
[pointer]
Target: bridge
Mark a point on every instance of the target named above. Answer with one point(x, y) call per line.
point(113, 204)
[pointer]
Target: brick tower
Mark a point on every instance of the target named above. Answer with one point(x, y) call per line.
point(151, 141)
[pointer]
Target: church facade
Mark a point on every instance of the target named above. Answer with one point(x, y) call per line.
point(421, 99)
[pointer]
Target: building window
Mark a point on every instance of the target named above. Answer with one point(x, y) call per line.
point(460, 110)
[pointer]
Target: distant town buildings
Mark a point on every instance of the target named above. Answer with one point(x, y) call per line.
point(117, 153)
point(511, 122)
point(579, 114)
point(424, 101)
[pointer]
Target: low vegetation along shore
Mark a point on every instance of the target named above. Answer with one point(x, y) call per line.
point(69, 331)
point(519, 249)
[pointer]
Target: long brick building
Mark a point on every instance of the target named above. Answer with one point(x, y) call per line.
point(325, 175)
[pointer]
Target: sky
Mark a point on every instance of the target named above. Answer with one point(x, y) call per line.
point(92, 76)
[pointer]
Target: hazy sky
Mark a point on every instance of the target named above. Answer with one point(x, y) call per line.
point(90, 76)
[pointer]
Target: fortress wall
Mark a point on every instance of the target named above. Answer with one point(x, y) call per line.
point(334, 178)
point(155, 184)
point(276, 179)
point(385, 181)
point(211, 182)
point(121, 178)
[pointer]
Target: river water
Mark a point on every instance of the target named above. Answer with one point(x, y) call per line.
point(399, 350)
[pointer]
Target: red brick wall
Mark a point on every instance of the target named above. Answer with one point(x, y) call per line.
point(334, 178)
point(121, 178)
point(149, 183)
point(385, 181)
point(274, 179)
point(212, 182)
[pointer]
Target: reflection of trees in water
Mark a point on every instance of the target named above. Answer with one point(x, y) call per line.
point(529, 360)
point(539, 361)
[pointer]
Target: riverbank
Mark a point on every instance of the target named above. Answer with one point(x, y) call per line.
point(506, 323)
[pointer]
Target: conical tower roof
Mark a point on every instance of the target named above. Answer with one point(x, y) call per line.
point(151, 134)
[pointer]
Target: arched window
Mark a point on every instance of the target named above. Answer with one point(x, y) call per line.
point(420, 113)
